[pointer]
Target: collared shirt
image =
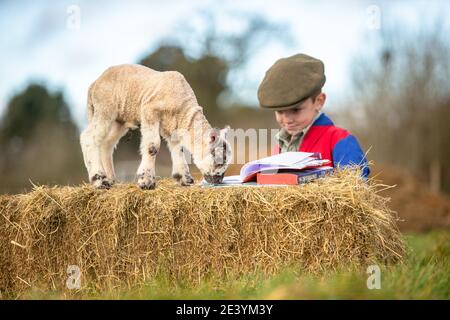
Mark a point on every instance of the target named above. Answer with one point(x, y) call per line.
point(289, 142)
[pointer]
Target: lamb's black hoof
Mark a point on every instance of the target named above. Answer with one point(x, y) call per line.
point(147, 186)
point(187, 181)
point(100, 181)
point(106, 184)
point(183, 180)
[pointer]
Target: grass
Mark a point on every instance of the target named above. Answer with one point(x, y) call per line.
point(424, 275)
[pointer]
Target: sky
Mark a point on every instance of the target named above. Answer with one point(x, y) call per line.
point(67, 44)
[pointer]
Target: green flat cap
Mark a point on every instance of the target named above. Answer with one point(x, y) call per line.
point(289, 81)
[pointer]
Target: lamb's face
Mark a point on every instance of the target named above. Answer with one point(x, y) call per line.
point(216, 161)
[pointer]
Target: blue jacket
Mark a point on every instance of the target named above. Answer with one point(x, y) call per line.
point(335, 144)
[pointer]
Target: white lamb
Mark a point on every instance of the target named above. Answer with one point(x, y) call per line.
point(162, 104)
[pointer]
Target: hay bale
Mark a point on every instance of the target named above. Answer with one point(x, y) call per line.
point(124, 236)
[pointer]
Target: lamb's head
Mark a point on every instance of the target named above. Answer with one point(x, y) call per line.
point(216, 157)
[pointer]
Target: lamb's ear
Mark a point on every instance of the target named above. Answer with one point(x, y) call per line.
point(213, 136)
point(224, 132)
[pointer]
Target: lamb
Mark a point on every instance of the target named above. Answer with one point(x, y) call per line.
point(163, 105)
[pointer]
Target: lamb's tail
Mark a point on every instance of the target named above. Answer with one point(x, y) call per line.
point(90, 105)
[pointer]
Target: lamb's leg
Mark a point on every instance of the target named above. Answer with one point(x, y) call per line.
point(116, 132)
point(180, 168)
point(85, 141)
point(91, 139)
point(150, 144)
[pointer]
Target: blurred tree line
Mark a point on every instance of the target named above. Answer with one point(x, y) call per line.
point(401, 105)
point(38, 141)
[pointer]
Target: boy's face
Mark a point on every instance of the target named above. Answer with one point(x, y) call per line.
point(296, 119)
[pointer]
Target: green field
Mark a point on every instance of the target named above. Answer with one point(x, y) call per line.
point(424, 275)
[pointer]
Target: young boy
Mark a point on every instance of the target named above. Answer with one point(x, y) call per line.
point(292, 87)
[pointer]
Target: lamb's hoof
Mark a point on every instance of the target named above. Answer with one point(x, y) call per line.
point(100, 181)
point(106, 184)
point(146, 182)
point(147, 185)
point(183, 180)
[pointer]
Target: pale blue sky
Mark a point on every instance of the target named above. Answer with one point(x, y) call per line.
point(36, 43)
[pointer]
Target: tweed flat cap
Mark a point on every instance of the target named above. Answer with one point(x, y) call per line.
point(291, 80)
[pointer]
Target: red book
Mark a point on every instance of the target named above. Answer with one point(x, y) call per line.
point(292, 178)
point(276, 178)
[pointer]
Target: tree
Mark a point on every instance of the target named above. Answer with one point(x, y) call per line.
point(39, 140)
point(404, 103)
point(31, 108)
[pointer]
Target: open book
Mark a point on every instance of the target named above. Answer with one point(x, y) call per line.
point(273, 164)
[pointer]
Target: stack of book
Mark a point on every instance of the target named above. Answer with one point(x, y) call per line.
point(286, 168)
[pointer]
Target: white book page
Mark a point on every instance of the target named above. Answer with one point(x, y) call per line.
point(232, 179)
point(285, 159)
